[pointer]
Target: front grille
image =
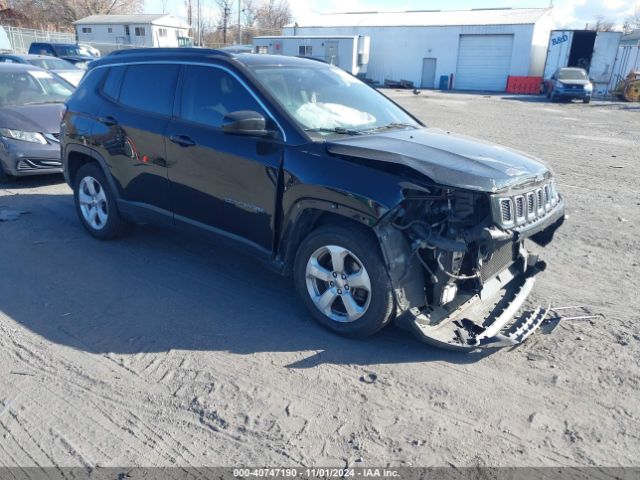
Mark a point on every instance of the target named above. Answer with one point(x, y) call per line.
point(498, 260)
point(525, 206)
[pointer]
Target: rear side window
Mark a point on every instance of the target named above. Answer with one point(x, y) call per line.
point(111, 87)
point(150, 87)
point(209, 93)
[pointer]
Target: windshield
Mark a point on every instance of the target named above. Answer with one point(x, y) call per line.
point(67, 50)
point(328, 100)
point(52, 63)
point(29, 87)
point(572, 75)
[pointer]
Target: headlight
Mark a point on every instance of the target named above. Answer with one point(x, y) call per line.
point(33, 137)
point(588, 87)
point(560, 84)
point(81, 65)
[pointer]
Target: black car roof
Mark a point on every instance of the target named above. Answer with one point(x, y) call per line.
point(199, 55)
point(56, 44)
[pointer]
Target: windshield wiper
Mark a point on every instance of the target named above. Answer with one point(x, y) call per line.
point(338, 130)
point(389, 126)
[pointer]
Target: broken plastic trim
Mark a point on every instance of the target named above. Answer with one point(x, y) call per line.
point(486, 319)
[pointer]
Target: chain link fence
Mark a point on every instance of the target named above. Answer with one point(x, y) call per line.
point(21, 38)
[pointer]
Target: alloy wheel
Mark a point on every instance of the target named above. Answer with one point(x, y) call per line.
point(338, 283)
point(93, 203)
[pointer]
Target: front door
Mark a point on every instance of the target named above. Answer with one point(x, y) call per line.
point(428, 73)
point(220, 182)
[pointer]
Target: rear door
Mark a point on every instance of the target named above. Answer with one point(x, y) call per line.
point(220, 182)
point(130, 130)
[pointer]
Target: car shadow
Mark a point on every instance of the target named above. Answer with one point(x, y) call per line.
point(158, 290)
point(34, 181)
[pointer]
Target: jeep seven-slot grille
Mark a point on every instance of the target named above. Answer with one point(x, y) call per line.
point(525, 207)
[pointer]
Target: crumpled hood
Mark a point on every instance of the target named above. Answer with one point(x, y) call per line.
point(32, 118)
point(447, 159)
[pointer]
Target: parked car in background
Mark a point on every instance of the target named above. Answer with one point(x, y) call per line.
point(66, 70)
point(31, 105)
point(569, 83)
point(89, 50)
point(67, 51)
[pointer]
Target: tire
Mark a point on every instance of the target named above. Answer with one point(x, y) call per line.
point(371, 304)
point(586, 100)
point(96, 205)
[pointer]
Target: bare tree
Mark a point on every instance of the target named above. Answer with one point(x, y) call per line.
point(249, 12)
point(224, 7)
point(62, 13)
point(273, 14)
point(601, 25)
point(632, 22)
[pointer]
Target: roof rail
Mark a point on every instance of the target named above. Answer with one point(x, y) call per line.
point(160, 51)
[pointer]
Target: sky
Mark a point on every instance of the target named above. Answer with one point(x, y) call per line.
point(568, 13)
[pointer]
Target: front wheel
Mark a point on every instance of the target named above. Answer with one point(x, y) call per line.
point(341, 277)
point(96, 204)
point(586, 100)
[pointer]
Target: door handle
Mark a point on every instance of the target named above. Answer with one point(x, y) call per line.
point(182, 140)
point(108, 121)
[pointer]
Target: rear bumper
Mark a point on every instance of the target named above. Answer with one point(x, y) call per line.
point(490, 318)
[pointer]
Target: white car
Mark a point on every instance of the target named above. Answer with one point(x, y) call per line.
point(67, 70)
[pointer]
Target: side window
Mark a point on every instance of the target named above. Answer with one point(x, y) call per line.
point(209, 93)
point(111, 87)
point(150, 87)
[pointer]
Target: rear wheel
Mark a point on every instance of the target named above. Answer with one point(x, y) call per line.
point(341, 277)
point(96, 205)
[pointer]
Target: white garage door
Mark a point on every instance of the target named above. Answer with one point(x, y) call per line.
point(483, 62)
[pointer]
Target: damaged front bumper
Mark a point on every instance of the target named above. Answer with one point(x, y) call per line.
point(485, 319)
point(490, 314)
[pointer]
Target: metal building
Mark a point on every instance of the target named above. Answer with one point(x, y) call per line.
point(478, 49)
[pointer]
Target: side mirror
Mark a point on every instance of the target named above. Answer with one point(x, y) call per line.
point(245, 122)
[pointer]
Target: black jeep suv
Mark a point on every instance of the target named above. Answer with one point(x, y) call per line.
point(377, 217)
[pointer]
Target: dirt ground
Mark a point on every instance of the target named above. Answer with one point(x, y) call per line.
point(160, 349)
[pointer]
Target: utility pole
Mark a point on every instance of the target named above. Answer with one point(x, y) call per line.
point(239, 22)
point(225, 18)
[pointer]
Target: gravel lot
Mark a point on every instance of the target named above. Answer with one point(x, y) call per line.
point(163, 350)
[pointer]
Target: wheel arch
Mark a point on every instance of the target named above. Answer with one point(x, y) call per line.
point(307, 215)
point(76, 156)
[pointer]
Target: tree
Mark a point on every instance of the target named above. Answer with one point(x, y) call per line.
point(632, 22)
point(224, 7)
point(601, 25)
point(62, 13)
point(273, 14)
point(249, 12)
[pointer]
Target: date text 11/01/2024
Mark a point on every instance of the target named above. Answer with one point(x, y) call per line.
point(316, 472)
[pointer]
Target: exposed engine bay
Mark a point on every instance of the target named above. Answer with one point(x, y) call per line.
point(465, 277)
